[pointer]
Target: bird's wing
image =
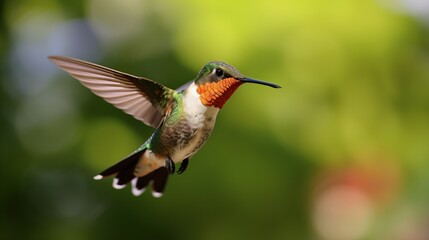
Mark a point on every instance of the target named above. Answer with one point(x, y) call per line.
point(184, 86)
point(142, 98)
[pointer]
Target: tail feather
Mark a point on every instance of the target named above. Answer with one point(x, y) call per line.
point(131, 160)
point(126, 175)
point(139, 185)
point(142, 182)
point(124, 171)
point(159, 181)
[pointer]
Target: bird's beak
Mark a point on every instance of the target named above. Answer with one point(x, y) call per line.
point(250, 80)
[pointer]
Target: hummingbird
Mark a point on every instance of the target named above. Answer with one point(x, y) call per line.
point(183, 118)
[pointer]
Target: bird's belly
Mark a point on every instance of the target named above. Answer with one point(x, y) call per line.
point(194, 135)
point(186, 148)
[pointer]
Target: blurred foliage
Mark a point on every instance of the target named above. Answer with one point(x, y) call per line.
point(340, 152)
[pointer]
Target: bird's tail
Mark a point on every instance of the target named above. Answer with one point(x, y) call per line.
point(124, 173)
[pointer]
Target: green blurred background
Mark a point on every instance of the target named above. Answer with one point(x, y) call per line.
point(340, 152)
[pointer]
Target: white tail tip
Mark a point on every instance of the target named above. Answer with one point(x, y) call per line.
point(116, 185)
point(157, 194)
point(136, 192)
point(98, 177)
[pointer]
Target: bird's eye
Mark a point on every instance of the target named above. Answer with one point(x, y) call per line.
point(219, 72)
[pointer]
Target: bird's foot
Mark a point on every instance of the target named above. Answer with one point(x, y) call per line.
point(183, 166)
point(169, 164)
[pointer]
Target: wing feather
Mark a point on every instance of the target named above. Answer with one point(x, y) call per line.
point(142, 98)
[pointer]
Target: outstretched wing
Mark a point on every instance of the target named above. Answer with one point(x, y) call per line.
point(142, 98)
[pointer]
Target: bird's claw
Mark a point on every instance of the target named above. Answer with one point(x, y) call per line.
point(183, 166)
point(169, 164)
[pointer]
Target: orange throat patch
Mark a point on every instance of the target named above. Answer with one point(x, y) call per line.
point(217, 93)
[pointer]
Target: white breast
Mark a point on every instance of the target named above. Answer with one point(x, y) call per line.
point(195, 111)
point(200, 118)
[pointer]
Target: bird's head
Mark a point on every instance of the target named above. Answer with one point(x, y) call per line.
point(217, 81)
